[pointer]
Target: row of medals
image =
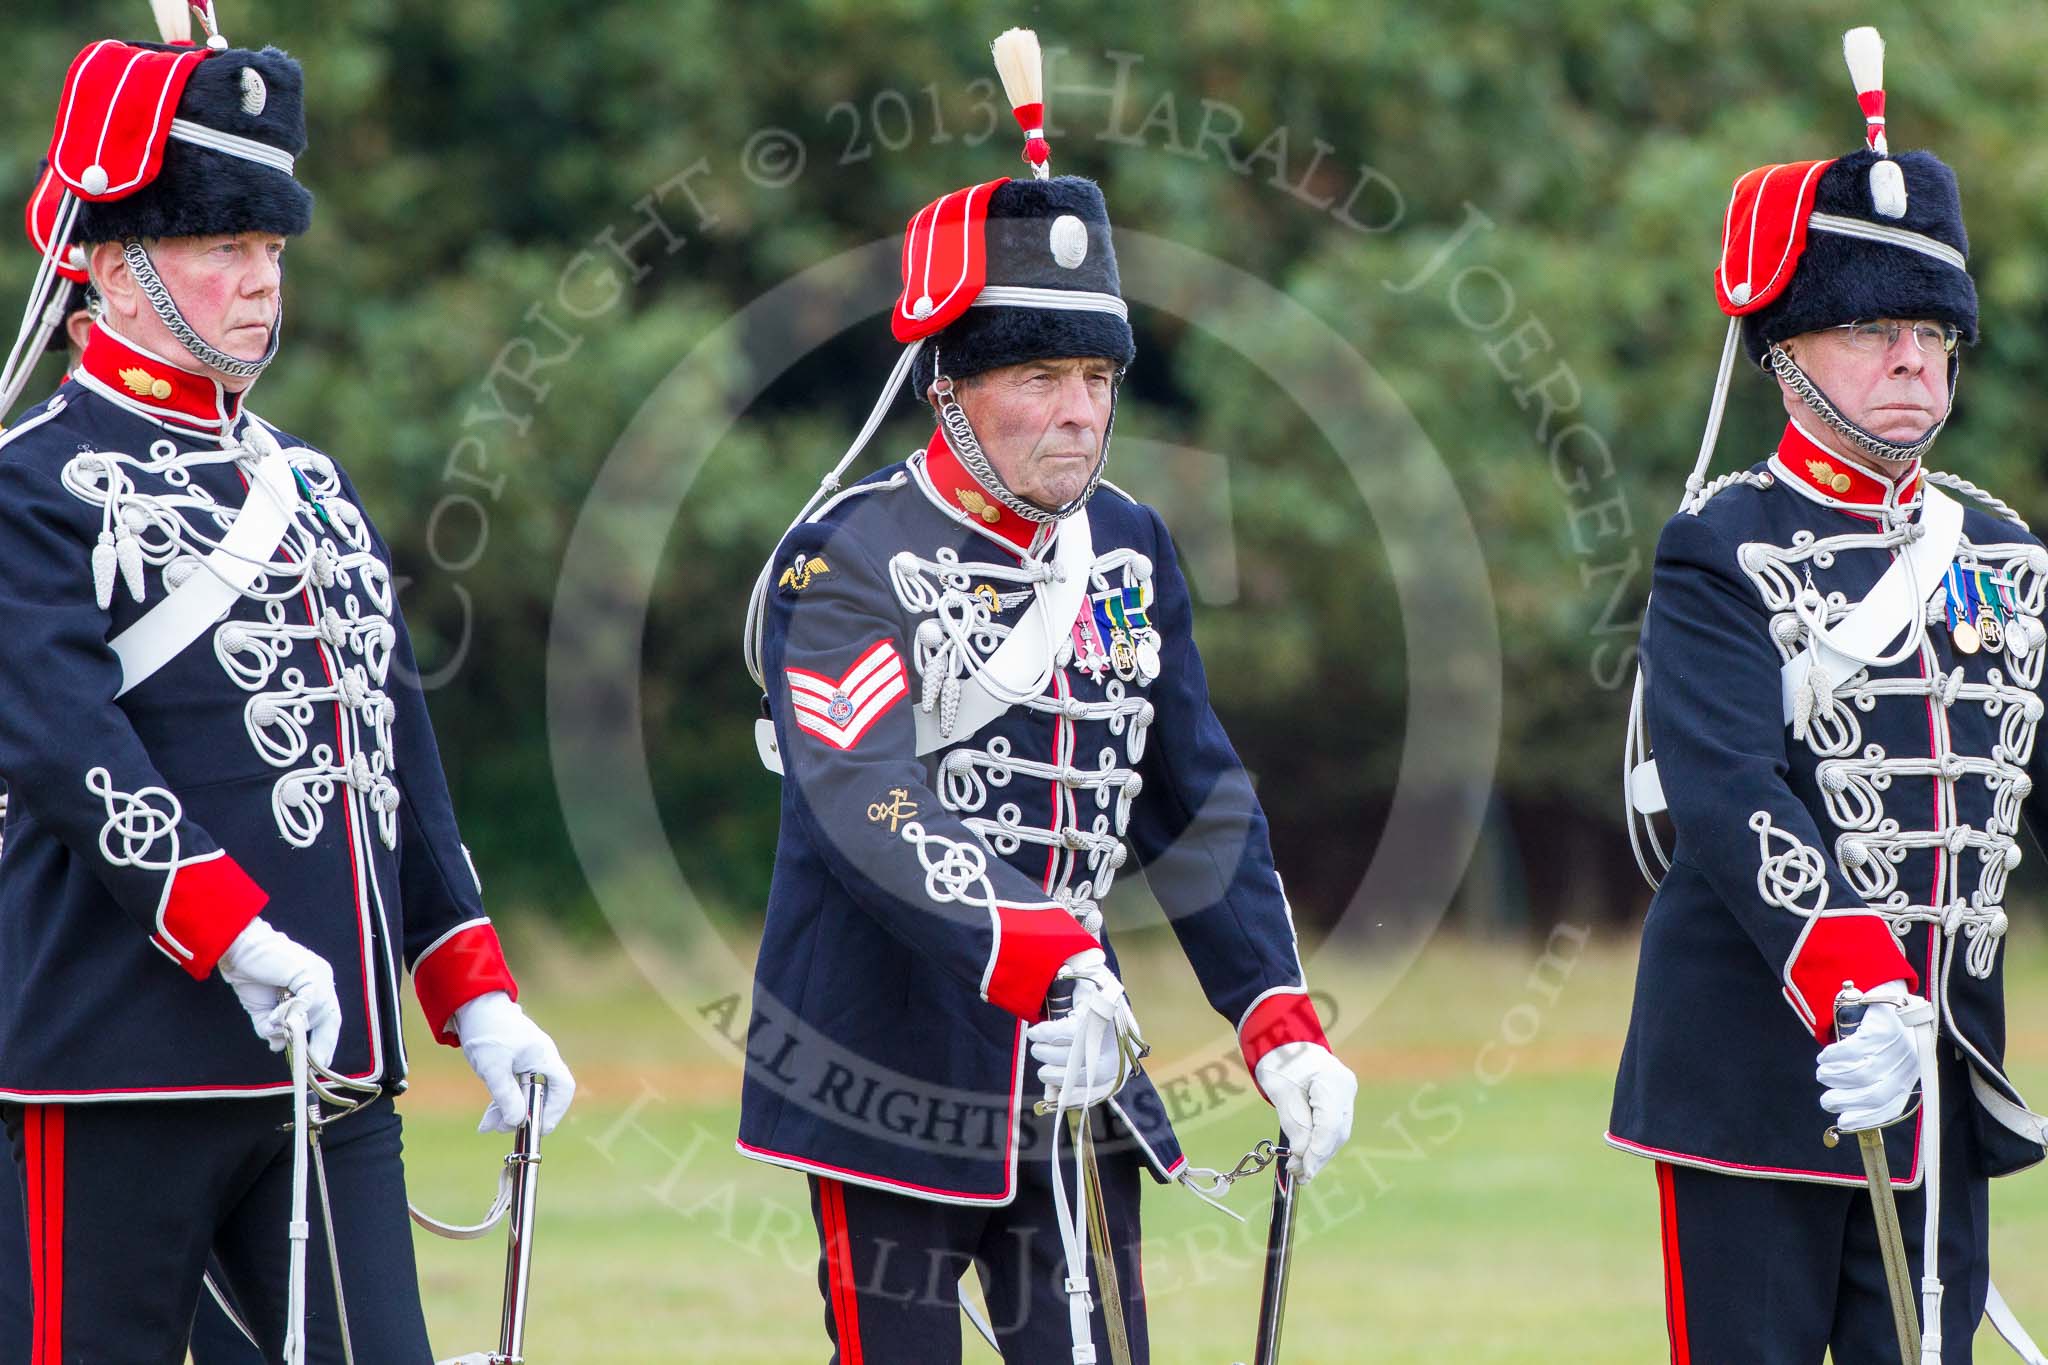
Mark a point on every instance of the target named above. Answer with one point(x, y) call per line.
point(1133, 654)
point(1975, 623)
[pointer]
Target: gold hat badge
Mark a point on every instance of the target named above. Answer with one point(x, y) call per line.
point(979, 506)
point(143, 384)
point(1828, 476)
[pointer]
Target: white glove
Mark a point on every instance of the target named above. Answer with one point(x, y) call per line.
point(264, 966)
point(503, 1047)
point(1870, 1075)
point(1314, 1094)
point(1082, 1057)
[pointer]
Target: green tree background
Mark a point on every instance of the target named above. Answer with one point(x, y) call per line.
point(464, 152)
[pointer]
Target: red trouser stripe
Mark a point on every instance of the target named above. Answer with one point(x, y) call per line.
point(44, 1134)
point(1674, 1275)
point(839, 1270)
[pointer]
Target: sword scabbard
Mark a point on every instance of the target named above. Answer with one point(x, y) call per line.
point(1279, 1257)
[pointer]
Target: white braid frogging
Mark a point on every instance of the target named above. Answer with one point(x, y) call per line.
point(327, 557)
point(954, 644)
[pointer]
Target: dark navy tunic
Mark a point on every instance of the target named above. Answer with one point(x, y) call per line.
point(282, 763)
point(1869, 839)
point(934, 871)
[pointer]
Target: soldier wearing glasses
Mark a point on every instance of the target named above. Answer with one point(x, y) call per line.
point(1841, 671)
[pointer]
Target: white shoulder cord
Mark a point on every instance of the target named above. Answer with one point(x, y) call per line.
point(1968, 489)
point(1635, 745)
point(42, 317)
point(750, 643)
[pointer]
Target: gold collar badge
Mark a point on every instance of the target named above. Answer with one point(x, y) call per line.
point(1827, 476)
point(978, 506)
point(143, 384)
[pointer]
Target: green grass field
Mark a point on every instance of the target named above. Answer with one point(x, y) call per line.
point(1476, 1217)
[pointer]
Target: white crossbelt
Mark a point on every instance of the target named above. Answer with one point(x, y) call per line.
point(190, 609)
point(1021, 662)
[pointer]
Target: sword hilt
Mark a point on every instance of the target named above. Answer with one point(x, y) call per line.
point(1850, 1011)
point(1849, 1015)
point(1059, 1003)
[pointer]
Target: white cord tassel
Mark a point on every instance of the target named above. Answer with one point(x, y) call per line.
point(103, 562)
point(1022, 69)
point(1863, 50)
point(1822, 688)
point(128, 556)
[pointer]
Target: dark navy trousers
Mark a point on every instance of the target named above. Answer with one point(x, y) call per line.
point(1780, 1272)
point(125, 1207)
point(889, 1265)
point(217, 1338)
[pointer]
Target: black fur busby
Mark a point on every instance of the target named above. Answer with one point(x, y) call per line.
point(203, 192)
point(1848, 279)
point(1043, 234)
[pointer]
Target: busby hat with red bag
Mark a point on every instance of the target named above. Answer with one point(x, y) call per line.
point(1813, 244)
point(169, 139)
point(1042, 285)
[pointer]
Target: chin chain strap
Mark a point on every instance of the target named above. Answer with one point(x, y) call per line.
point(1870, 443)
point(166, 309)
point(960, 435)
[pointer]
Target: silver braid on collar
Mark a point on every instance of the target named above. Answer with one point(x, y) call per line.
point(166, 308)
point(960, 435)
point(1870, 443)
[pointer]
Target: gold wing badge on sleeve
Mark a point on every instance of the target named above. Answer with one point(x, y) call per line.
point(801, 571)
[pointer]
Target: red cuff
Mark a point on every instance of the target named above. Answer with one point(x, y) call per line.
point(1278, 1019)
point(463, 964)
point(210, 902)
point(1031, 947)
point(1858, 949)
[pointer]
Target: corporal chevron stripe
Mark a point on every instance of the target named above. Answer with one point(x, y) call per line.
point(840, 710)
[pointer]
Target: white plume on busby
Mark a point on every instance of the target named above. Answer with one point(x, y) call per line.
point(1863, 50)
point(1022, 69)
point(173, 20)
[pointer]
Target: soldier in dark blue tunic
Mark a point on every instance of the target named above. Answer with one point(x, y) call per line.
point(217, 1337)
point(985, 699)
point(1841, 678)
point(222, 782)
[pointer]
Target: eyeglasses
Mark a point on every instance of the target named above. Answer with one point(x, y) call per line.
point(1872, 338)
